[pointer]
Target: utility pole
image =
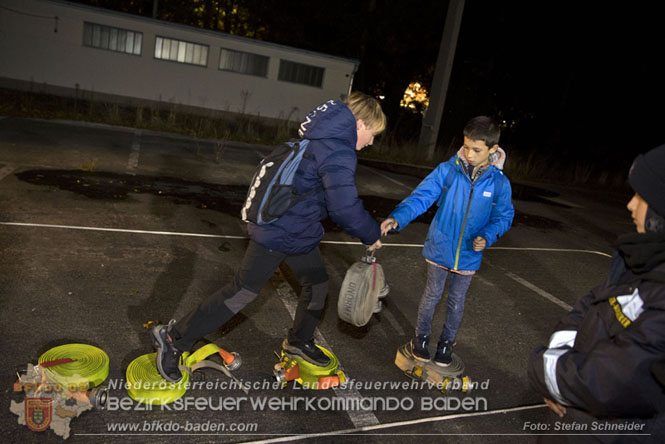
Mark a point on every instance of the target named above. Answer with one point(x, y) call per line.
point(155, 5)
point(444, 66)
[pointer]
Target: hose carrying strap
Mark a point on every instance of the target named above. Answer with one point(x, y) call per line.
point(197, 360)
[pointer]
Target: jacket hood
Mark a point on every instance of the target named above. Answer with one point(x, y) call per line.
point(330, 120)
point(497, 158)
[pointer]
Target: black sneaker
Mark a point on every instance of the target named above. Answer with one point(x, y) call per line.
point(419, 347)
point(444, 354)
point(168, 356)
point(306, 350)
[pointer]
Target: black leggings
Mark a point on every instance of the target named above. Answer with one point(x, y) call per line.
point(257, 266)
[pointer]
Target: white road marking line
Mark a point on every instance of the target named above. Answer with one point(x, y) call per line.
point(122, 230)
point(516, 278)
point(224, 236)
point(541, 292)
point(360, 418)
point(133, 162)
point(6, 170)
point(297, 437)
point(563, 250)
point(398, 328)
point(561, 201)
point(360, 243)
point(483, 280)
point(375, 171)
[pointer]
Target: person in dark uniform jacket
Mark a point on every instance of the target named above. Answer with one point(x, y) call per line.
point(602, 370)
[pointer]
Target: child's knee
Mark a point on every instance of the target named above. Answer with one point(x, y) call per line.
point(319, 295)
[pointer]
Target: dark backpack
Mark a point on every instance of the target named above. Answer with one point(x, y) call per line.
point(271, 192)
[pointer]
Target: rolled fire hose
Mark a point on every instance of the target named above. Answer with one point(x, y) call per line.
point(363, 285)
point(79, 369)
point(309, 375)
point(146, 385)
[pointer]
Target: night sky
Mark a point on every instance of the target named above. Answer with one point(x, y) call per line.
point(572, 81)
point(587, 76)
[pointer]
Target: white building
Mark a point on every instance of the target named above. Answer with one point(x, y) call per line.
point(66, 48)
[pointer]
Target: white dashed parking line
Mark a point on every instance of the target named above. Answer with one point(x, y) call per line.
point(6, 170)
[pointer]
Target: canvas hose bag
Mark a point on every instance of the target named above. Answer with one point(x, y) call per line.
point(364, 284)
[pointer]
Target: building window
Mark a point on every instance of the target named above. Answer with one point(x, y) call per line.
point(113, 39)
point(243, 62)
point(181, 51)
point(300, 73)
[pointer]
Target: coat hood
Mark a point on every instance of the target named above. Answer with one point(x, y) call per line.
point(497, 158)
point(330, 120)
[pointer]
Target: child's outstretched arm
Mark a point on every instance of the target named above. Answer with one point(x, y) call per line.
point(420, 199)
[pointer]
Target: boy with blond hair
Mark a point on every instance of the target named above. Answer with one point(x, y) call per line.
point(335, 131)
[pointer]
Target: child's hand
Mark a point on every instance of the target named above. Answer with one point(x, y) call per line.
point(479, 243)
point(375, 246)
point(388, 225)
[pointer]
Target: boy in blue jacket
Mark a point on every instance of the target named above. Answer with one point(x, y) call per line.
point(336, 131)
point(475, 209)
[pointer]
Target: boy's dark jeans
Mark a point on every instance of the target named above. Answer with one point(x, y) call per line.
point(436, 279)
point(257, 266)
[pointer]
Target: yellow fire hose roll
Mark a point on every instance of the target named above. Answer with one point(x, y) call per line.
point(146, 385)
point(309, 375)
point(89, 366)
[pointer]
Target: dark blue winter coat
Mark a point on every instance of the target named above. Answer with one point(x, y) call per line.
point(329, 163)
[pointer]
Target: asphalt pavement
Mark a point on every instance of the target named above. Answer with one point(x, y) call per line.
point(105, 229)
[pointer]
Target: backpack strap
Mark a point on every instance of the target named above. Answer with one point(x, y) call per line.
point(304, 143)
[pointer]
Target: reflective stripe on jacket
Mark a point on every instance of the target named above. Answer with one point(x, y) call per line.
point(600, 357)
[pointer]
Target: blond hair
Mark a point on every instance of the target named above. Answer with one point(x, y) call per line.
point(368, 110)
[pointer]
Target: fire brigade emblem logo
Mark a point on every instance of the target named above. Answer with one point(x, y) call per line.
point(38, 413)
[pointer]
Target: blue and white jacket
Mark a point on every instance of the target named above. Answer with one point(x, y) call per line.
point(329, 164)
point(466, 210)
